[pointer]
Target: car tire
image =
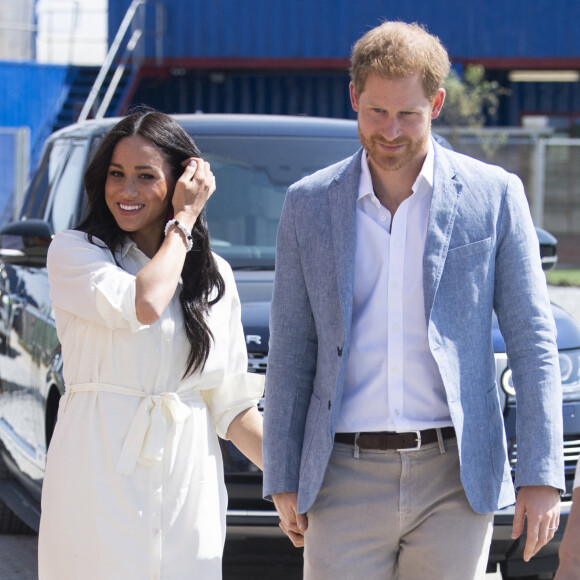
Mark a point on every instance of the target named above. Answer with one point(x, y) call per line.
point(9, 522)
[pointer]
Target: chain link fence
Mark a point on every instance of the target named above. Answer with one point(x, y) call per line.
point(549, 168)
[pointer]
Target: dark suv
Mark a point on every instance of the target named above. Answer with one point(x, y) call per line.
point(254, 159)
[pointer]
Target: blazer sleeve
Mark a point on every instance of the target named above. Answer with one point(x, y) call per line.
point(291, 360)
point(525, 318)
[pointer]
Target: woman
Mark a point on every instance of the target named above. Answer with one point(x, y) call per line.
point(154, 364)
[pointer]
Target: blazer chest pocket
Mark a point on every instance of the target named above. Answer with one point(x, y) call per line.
point(468, 250)
point(465, 279)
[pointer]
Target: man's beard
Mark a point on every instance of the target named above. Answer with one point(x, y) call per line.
point(393, 161)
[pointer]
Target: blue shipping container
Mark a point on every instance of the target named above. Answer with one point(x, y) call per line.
point(326, 29)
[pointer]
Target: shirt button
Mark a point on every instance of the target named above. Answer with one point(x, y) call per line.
point(396, 411)
point(383, 218)
point(395, 370)
point(396, 327)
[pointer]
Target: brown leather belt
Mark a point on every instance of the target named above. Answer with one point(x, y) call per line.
point(385, 440)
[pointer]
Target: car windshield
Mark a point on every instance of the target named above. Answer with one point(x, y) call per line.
point(252, 174)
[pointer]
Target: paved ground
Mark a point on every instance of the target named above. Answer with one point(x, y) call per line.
point(244, 561)
point(18, 561)
point(18, 557)
point(568, 298)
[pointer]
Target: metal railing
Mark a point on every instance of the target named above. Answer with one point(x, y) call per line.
point(135, 16)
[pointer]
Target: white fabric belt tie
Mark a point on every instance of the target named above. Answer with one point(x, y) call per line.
point(145, 440)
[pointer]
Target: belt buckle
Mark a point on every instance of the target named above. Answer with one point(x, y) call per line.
point(418, 440)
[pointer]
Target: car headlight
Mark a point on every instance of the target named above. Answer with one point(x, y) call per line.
point(569, 369)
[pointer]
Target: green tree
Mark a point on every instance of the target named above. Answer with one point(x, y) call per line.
point(470, 100)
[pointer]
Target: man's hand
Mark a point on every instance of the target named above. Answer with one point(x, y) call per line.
point(293, 523)
point(540, 504)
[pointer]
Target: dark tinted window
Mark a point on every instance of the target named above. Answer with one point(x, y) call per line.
point(63, 207)
point(53, 194)
point(252, 176)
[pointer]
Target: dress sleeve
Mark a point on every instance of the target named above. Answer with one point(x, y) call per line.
point(239, 389)
point(85, 281)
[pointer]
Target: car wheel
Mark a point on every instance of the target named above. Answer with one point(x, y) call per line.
point(9, 522)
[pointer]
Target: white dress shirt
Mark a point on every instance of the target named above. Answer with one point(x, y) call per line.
point(392, 380)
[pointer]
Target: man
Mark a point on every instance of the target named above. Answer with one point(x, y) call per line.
point(569, 568)
point(384, 442)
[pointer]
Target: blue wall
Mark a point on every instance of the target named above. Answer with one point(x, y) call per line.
point(469, 29)
point(32, 96)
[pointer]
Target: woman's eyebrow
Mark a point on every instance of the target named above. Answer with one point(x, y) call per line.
point(139, 167)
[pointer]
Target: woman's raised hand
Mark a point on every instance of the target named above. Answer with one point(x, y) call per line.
point(192, 190)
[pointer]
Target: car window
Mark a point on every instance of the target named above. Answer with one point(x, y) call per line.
point(39, 189)
point(54, 188)
point(252, 174)
point(63, 206)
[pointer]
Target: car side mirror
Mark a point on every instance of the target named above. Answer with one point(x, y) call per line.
point(25, 242)
point(548, 249)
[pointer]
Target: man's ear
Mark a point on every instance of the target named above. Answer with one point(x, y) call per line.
point(353, 97)
point(437, 103)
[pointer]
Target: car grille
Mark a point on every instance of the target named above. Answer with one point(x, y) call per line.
point(257, 362)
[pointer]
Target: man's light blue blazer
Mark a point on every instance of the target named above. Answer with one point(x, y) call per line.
point(481, 254)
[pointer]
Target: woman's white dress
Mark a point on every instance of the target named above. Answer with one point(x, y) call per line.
point(134, 484)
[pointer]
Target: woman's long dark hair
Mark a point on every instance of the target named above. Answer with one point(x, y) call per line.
point(203, 284)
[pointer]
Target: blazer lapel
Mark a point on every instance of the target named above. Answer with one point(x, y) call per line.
point(444, 204)
point(342, 197)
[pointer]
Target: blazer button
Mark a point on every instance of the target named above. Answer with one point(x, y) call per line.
point(339, 350)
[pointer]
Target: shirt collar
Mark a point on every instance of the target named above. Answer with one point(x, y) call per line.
point(127, 245)
point(365, 186)
point(426, 173)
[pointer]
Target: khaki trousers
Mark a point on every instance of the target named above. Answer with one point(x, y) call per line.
point(395, 515)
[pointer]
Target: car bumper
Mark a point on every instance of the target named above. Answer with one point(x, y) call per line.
point(258, 523)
